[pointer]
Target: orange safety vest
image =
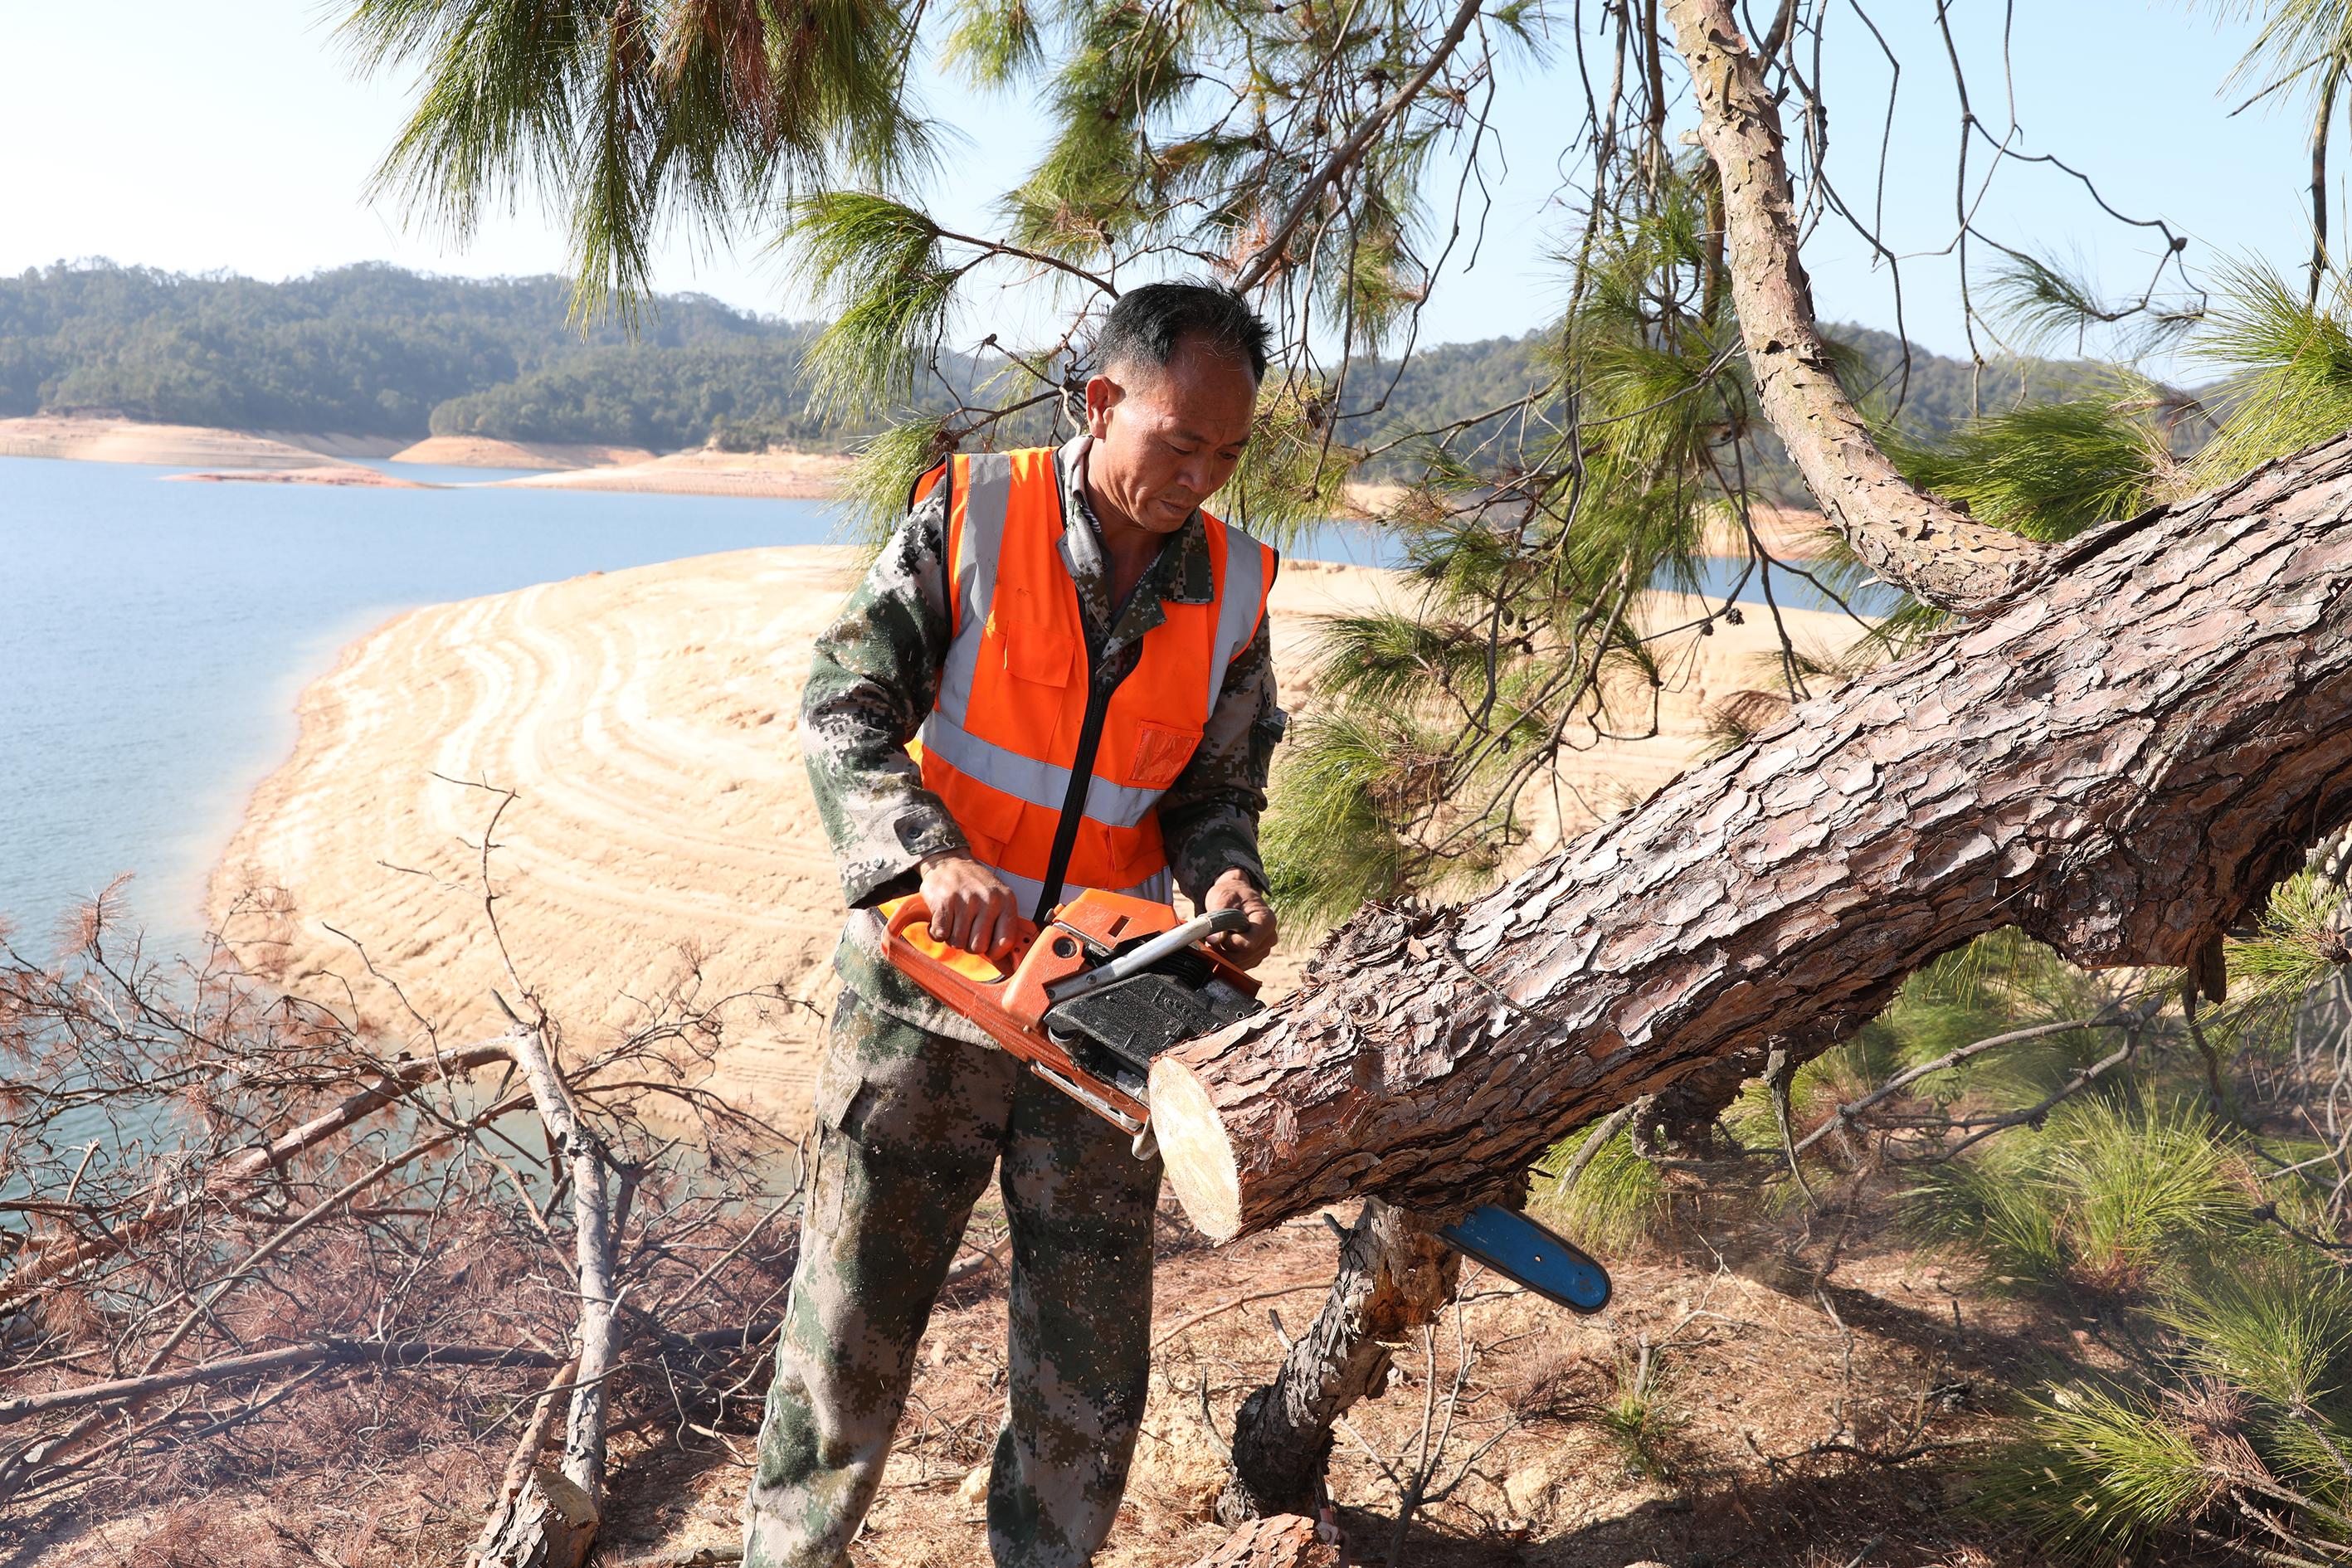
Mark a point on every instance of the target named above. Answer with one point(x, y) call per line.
point(1007, 732)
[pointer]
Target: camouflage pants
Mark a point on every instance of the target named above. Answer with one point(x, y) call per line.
point(909, 1125)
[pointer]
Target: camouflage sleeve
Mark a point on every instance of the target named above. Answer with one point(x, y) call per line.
point(1209, 816)
point(874, 677)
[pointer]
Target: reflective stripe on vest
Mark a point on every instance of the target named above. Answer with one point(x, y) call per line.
point(999, 742)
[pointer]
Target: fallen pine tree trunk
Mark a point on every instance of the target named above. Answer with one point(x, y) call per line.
point(2120, 762)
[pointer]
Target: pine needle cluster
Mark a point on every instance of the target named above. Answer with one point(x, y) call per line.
point(1531, 542)
point(622, 114)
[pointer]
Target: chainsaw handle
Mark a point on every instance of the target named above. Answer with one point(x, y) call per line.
point(901, 915)
point(904, 912)
point(1227, 919)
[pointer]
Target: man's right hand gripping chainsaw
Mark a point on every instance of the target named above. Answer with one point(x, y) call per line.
point(1110, 982)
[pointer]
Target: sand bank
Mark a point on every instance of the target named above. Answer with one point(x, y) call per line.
point(482, 452)
point(804, 476)
point(104, 441)
point(347, 475)
point(664, 828)
point(1787, 533)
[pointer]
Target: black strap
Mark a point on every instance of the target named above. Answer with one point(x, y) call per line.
point(1073, 800)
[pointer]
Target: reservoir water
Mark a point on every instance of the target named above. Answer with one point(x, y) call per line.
point(155, 635)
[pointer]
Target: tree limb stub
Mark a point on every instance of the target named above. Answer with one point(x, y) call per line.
point(1910, 539)
point(2120, 763)
point(1394, 1275)
point(548, 1517)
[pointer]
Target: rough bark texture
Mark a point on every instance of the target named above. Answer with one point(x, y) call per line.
point(1942, 556)
point(550, 1522)
point(2119, 763)
point(1285, 1541)
point(1394, 1275)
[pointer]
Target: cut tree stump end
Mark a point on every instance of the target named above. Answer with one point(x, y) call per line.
point(1194, 1145)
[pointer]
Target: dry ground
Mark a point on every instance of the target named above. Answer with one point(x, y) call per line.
point(1814, 1390)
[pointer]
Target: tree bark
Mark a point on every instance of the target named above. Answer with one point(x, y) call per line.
point(1937, 553)
point(1394, 1275)
point(2120, 763)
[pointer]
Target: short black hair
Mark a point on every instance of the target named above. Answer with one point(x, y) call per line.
point(1148, 323)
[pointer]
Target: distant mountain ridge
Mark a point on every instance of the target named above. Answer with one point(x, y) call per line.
point(368, 350)
point(374, 350)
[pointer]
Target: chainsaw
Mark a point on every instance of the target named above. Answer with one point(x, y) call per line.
point(1109, 982)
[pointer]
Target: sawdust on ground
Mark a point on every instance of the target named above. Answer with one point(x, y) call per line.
point(663, 834)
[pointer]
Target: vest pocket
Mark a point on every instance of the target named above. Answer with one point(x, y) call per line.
point(1035, 653)
point(1161, 753)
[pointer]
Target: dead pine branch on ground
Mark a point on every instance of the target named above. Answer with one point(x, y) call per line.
point(251, 1248)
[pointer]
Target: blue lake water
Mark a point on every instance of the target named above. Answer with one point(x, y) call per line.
point(153, 636)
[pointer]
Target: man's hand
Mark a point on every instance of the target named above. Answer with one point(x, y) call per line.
point(971, 906)
point(1235, 890)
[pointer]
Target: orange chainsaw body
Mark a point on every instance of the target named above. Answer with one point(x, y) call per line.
point(1008, 995)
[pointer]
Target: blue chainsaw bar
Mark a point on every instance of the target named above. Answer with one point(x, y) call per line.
point(1534, 1254)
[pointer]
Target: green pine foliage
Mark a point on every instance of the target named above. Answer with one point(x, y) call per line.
point(2100, 1474)
point(2100, 1199)
point(879, 260)
point(2240, 1399)
point(2048, 470)
point(1432, 718)
point(2286, 368)
point(623, 116)
point(1617, 1201)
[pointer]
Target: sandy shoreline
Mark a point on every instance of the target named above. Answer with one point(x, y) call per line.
point(792, 476)
point(483, 452)
point(84, 438)
point(278, 457)
point(663, 832)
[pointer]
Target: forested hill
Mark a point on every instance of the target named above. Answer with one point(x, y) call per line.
point(364, 351)
point(1453, 383)
point(377, 351)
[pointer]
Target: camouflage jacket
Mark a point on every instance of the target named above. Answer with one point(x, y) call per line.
point(875, 675)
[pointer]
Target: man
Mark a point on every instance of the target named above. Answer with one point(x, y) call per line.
point(1079, 656)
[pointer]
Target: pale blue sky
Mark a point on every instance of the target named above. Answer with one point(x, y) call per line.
point(195, 138)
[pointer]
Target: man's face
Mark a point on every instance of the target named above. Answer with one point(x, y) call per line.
point(1167, 437)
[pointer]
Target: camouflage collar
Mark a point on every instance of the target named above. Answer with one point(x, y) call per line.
point(1180, 574)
